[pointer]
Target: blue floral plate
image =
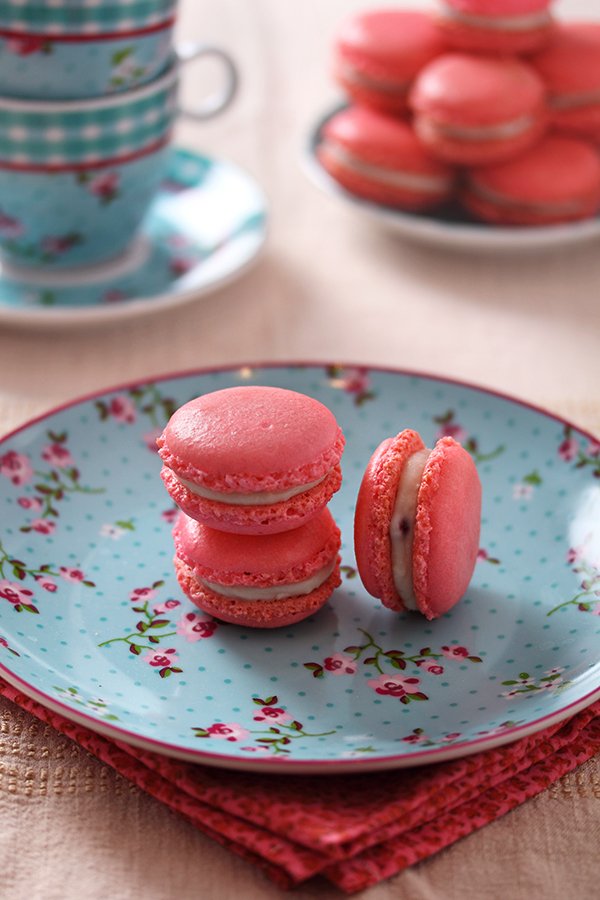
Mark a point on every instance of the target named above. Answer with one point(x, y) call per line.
point(94, 625)
point(205, 228)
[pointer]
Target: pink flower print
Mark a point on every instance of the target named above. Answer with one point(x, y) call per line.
point(32, 503)
point(575, 554)
point(416, 738)
point(567, 451)
point(150, 439)
point(395, 685)
point(355, 380)
point(14, 592)
point(338, 664)
point(43, 526)
point(10, 228)
point(593, 448)
point(57, 455)
point(17, 467)
point(170, 515)
point(455, 652)
point(56, 246)
point(454, 431)
point(168, 604)
point(451, 737)
point(260, 749)
point(194, 626)
point(180, 265)
point(430, 665)
point(522, 491)
point(159, 657)
point(273, 714)
point(71, 574)
point(122, 409)
point(231, 731)
point(46, 582)
point(140, 594)
point(595, 610)
point(105, 186)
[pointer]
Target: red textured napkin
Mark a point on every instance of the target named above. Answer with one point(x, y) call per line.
point(354, 829)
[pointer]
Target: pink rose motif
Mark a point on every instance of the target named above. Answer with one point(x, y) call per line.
point(451, 737)
point(394, 685)
point(416, 738)
point(159, 657)
point(14, 592)
point(356, 380)
point(71, 574)
point(260, 749)
point(455, 652)
point(57, 455)
point(32, 503)
point(593, 448)
point(170, 515)
point(10, 228)
point(122, 409)
point(595, 610)
point(163, 607)
point(46, 582)
point(430, 665)
point(17, 467)
point(575, 554)
point(567, 451)
point(141, 594)
point(194, 626)
point(231, 731)
point(105, 185)
point(150, 439)
point(338, 664)
point(454, 431)
point(273, 714)
point(43, 526)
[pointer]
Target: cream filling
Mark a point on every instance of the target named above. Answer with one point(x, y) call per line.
point(402, 527)
point(258, 498)
point(389, 86)
point(504, 131)
point(276, 592)
point(560, 206)
point(528, 22)
point(573, 101)
point(407, 180)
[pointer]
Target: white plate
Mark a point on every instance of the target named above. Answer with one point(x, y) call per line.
point(449, 226)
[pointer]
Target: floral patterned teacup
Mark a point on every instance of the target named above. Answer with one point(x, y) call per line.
point(77, 177)
point(53, 50)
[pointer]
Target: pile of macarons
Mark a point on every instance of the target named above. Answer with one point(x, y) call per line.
point(491, 103)
point(253, 468)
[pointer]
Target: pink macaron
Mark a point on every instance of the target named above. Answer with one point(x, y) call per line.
point(252, 459)
point(378, 53)
point(496, 26)
point(475, 110)
point(379, 158)
point(417, 523)
point(570, 68)
point(258, 581)
point(557, 180)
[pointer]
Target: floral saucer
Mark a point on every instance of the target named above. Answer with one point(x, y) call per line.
point(93, 623)
point(204, 229)
point(448, 226)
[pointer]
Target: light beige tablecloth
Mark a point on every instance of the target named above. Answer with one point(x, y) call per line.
point(328, 287)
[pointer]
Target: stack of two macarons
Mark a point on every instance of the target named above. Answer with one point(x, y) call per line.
point(494, 102)
point(252, 469)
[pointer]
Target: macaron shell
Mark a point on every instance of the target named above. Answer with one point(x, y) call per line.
point(378, 54)
point(488, 37)
point(478, 153)
point(374, 508)
point(446, 539)
point(261, 614)
point(499, 7)
point(258, 519)
point(558, 180)
point(357, 140)
point(252, 438)
point(257, 561)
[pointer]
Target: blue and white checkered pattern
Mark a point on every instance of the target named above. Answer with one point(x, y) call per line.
point(87, 17)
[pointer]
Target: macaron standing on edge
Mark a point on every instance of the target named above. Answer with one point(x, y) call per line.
point(380, 159)
point(417, 524)
point(258, 581)
point(378, 53)
point(474, 110)
point(252, 459)
point(557, 180)
point(496, 26)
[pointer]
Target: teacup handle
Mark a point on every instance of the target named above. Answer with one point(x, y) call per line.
point(215, 103)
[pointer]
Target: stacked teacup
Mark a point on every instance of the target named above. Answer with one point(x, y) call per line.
point(88, 100)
